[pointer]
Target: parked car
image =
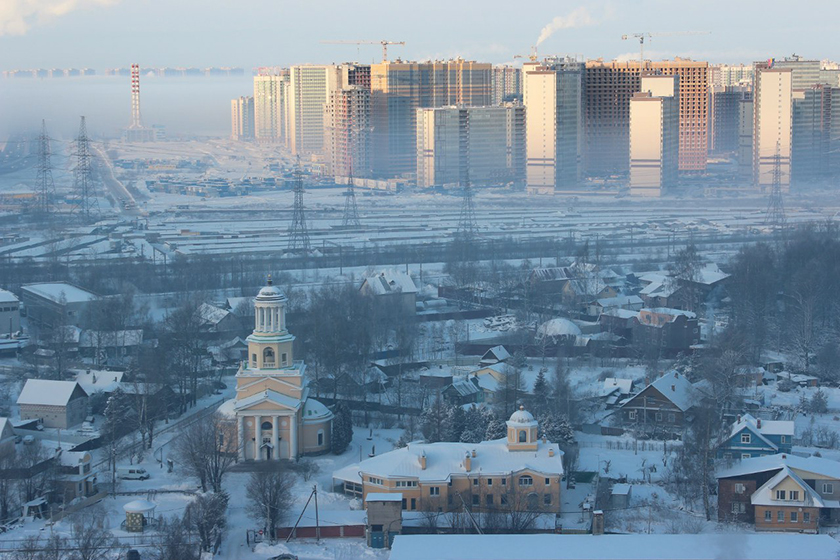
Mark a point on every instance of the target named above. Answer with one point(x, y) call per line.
point(132, 473)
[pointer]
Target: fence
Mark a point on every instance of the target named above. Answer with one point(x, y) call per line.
point(632, 445)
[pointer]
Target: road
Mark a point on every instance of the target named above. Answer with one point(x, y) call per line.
point(123, 199)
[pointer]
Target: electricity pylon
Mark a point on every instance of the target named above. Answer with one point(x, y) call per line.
point(298, 233)
point(87, 204)
point(44, 185)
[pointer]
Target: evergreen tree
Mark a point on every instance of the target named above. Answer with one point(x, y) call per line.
point(541, 393)
point(475, 426)
point(556, 429)
point(433, 420)
point(342, 429)
point(496, 427)
point(454, 426)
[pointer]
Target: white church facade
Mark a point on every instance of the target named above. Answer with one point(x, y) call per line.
point(275, 417)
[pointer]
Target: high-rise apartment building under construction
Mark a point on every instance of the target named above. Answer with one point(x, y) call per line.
point(608, 87)
point(399, 88)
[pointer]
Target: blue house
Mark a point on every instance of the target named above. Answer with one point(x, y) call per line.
point(754, 437)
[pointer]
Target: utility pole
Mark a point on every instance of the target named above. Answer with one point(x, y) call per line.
point(298, 233)
point(351, 212)
point(87, 204)
point(44, 185)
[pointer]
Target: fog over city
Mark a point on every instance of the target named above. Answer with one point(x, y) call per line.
point(419, 281)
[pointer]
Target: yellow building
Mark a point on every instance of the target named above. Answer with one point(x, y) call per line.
point(517, 473)
point(275, 418)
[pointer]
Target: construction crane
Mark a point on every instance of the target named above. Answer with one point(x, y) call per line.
point(641, 38)
point(383, 43)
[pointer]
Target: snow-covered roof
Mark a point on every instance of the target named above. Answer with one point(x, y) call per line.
point(390, 282)
point(676, 388)
point(227, 409)
point(766, 495)
point(706, 546)
point(465, 387)
point(767, 428)
point(616, 384)
point(120, 339)
point(521, 418)
point(268, 395)
point(98, 381)
point(619, 301)
point(816, 465)
point(621, 489)
point(53, 291)
point(383, 497)
point(660, 287)
point(73, 458)
point(47, 392)
point(4, 423)
point(444, 459)
point(558, 327)
point(315, 410)
point(496, 354)
point(234, 303)
point(139, 506)
point(710, 274)
point(669, 311)
point(7, 297)
point(621, 313)
point(211, 315)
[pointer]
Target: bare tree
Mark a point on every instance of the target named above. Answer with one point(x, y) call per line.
point(205, 450)
point(174, 541)
point(206, 517)
point(270, 493)
point(90, 537)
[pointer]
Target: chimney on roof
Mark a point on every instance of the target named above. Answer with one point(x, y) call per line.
point(473, 453)
point(551, 452)
point(673, 388)
point(784, 456)
point(467, 462)
point(423, 461)
point(739, 418)
point(758, 423)
point(544, 439)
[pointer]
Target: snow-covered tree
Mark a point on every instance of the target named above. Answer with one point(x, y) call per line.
point(206, 516)
point(342, 429)
point(433, 419)
point(496, 427)
point(541, 393)
point(556, 429)
point(269, 492)
point(455, 423)
point(475, 426)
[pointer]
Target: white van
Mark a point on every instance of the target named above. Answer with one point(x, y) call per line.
point(132, 473)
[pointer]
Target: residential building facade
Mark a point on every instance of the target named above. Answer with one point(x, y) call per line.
point(772, 125)
point(242, 118)
point(753, 437)
point(271, 90)
point(654, 136)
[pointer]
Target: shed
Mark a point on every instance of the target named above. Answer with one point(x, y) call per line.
point(620, 496)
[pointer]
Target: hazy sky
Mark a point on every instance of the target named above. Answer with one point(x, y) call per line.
point(248, 33)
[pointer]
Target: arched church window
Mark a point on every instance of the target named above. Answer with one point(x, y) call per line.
point(523, 437)
point(265, 425)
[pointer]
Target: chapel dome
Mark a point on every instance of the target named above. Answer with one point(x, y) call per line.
point(522, 417)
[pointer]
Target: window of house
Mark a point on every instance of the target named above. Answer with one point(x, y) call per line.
point(659, 417)
point(739, 507)
point(475, 500)
point(631, 415)
point(794, 517)
point(547, 499)
point(320, 437)
point(489, 500)
point(548, 482)
point(745, 456)
point(746, 438)
point(413, 504)
point(768, 516)
point(268, 355)
point(794, 495)
point(285, 358)
point(475, 482)
point(828, 488)
point(489, 482)
point(781, 495)
point(403, 503)
point(434, 490)
point(504, 482)
point(523, 436)
point(265, 425)
point(526, 481)
point(780, 516)
point(784, 439)
point(740, 488)
point(806, 517)
point(254, 358)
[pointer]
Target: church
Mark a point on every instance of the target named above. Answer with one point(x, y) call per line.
point(274, 415)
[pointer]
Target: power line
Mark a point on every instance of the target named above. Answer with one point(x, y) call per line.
point(775, 215)
point(298, 233)
point(44, 184)
point(87, 204)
